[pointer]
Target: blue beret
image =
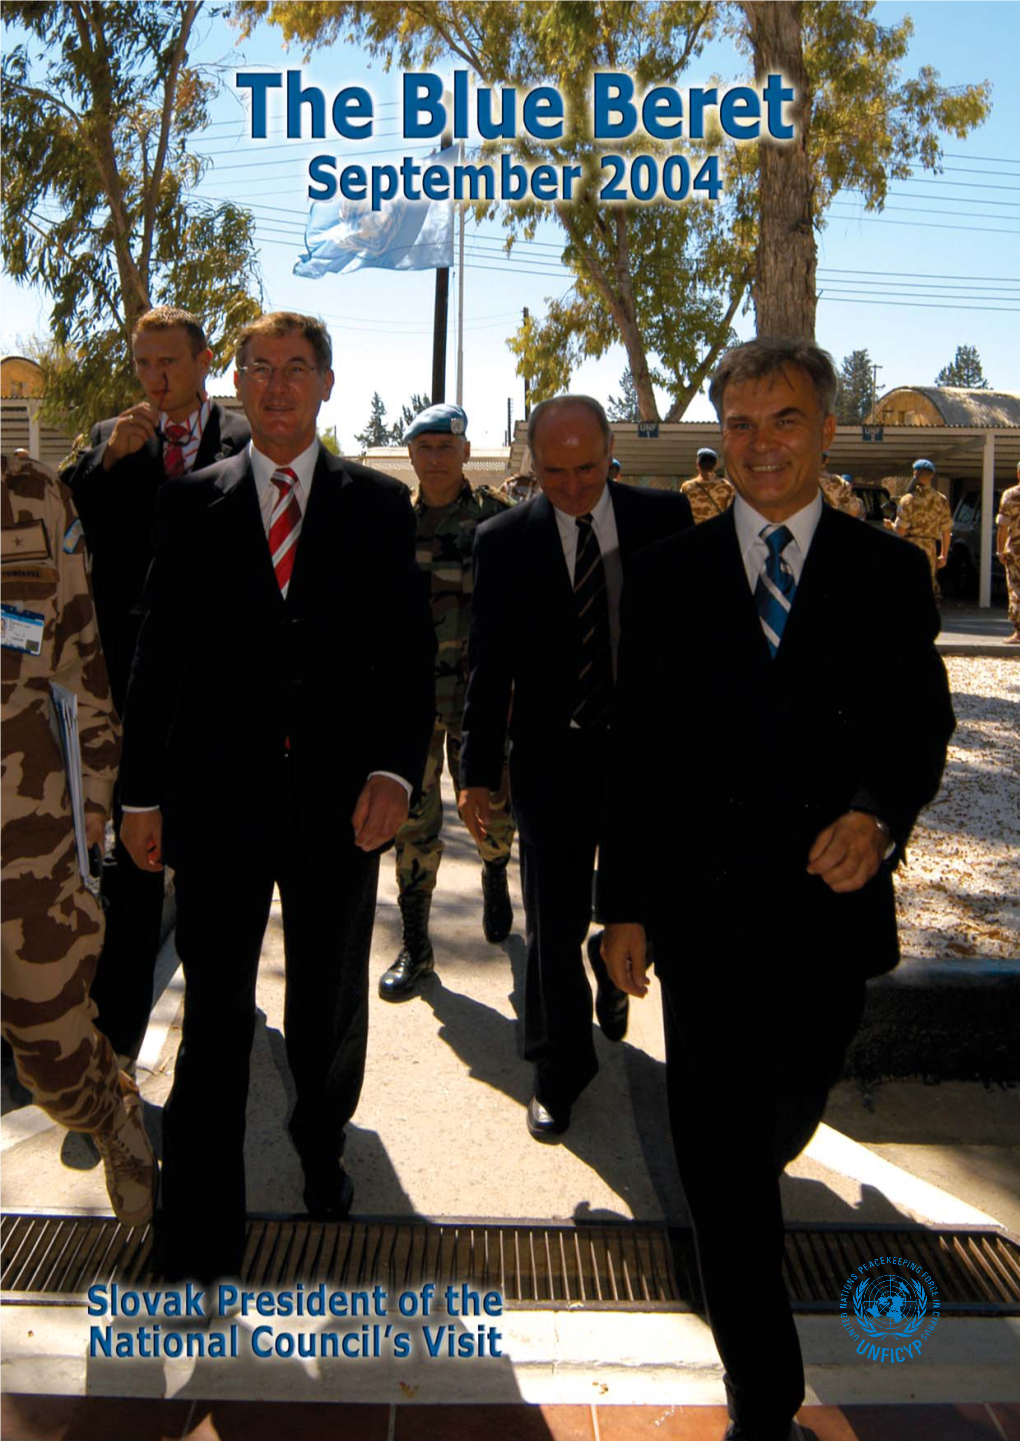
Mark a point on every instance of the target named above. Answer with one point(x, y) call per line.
point(924, 465)
point(707, 450)
point(442, 419)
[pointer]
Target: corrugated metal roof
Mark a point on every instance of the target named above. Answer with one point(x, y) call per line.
point(959, 405)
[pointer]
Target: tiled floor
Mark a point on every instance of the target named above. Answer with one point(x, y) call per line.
point(71, 1418)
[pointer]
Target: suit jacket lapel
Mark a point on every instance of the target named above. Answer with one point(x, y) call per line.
point(812, 607)
point(324, 535)
point(731, 597)
point(209, 444)
point(235, 509)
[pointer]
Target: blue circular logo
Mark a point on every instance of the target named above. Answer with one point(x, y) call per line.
point(890, 1306)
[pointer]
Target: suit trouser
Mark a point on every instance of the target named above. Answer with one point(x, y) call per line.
point(125, 971)
point(749, 1063)
point(557, 797)
point(328, 907)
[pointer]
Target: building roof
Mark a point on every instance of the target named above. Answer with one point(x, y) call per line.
point(959, 405)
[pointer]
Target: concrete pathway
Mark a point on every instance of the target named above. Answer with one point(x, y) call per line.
point(441, 1133)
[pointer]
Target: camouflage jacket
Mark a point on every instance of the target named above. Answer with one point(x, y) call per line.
point(446, 542)
point(923, 515)
point(44, 574)
point(1009, 516)
point(840, 495)
point(707, 497)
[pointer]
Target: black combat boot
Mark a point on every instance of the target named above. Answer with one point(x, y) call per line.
point(497, 915)
point(415, 958)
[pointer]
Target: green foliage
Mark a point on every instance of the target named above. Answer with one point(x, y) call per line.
point(376, 432)
point(625, 405)
point(966, 370)
point(665, 279)
point(419, 401)
point(854, 395)
point(98, 203)
point(329, 440)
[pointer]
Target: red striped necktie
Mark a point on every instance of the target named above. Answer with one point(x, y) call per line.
point(284, 527)
point(173, 452)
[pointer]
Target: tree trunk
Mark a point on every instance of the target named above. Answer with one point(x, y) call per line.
point(784, 284)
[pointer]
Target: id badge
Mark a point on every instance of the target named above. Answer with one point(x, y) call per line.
point(22, 630)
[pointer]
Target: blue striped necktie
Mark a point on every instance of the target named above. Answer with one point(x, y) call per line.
point(776, 586)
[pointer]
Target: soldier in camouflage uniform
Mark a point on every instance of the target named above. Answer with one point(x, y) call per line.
point(840, 494)
point(52, 927)
point(708, 493)
point(448, 513)
point(1007, 547)
point(924, 517)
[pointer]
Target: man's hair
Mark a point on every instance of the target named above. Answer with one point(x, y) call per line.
point(170, 317)
point(769, 355)
point(283, 322)
point(546, 407)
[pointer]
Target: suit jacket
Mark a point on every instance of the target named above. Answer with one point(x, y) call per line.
point(750, 758)
point(118, 511)
point(523, 625)
point(226, 670)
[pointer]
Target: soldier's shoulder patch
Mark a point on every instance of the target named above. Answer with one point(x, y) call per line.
point(73, 536)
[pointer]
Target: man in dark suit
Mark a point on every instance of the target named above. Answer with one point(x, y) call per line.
point(800, 656)
point(115, 483)
point(278, 718)
point(545, 628)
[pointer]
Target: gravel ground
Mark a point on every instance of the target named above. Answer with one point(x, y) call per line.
point(958, 897)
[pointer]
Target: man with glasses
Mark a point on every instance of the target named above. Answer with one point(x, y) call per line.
point(115, 482)
point(277, 722)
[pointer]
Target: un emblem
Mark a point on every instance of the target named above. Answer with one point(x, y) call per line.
point(885, 1309)
point(890, 1306)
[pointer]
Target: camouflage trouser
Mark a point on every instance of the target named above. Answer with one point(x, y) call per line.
point(1012, 567)
point(419, 842)
point(51, 934)
point(930, 547)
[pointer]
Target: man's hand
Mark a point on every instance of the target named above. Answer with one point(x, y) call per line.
point(623, 950)
point(473, 804)
point(95, 830)
point(380, 811)
point(131, 430)
point(848, 853)
point(142, 835)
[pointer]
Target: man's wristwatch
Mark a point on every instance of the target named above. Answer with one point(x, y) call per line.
point(882, 826)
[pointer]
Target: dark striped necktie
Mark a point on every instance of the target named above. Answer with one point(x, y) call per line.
point(776, 586)
point(594, 693)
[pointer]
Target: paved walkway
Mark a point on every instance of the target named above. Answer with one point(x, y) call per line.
point(441, 1133)
point(967, 629)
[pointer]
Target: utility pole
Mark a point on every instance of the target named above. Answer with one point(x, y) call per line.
point(874, 385)
point(509, 421)
point(527, 401)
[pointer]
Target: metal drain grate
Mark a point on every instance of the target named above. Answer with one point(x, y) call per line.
point(624, 1266)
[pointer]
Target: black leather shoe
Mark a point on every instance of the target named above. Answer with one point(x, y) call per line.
point(329, 1190)
point(611, 1004)
point(735, 1432)
point(542, 1124)
point(401, 980)
point(497, 913)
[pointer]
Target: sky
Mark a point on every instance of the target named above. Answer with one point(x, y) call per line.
point(935, 270)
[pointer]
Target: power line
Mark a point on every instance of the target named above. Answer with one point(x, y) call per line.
point(914, 305)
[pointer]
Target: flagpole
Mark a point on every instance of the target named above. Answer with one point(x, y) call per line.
point(439, 318)
point(460, 300)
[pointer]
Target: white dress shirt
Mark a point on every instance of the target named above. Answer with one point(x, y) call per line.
point(196, 423)
point(753, 549)
point(603, 520)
